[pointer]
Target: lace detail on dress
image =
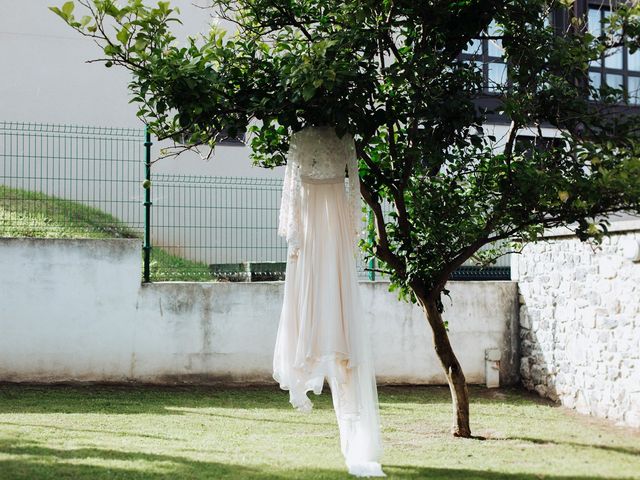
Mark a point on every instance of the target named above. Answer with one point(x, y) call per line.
point(320, 152)
point(317, 153)
point(289, 220)
point(354, 184)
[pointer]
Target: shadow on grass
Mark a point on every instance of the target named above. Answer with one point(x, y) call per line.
point(253, 418)
point(125, 399)
point(409, 472)
point(117, 433)
point(34, 462)
point(37, 462)
point(635, 452)
point(177, 400)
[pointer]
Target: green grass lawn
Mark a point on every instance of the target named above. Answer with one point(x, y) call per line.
point(166, 267)
point(111, 432)
point(36, 215)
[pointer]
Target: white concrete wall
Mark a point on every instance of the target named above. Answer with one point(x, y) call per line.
point(580, 323)
point(74, 310)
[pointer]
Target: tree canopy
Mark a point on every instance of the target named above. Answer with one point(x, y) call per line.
point(392, 73)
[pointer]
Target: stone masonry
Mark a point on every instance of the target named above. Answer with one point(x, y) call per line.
point(580, 324)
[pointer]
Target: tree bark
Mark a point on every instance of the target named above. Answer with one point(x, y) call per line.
point(453, 371)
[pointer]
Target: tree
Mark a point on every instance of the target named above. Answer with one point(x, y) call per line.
point(391, 73)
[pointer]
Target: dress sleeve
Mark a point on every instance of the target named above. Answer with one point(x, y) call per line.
point(289, 222)
point(355, 206)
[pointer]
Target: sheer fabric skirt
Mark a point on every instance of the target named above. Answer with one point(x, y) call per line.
point(322, 334)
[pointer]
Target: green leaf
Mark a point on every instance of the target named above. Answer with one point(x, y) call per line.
point(58, 12)
point(111, 50)
point(140, 44)
point(67, 8)
point(110, 8)
point(123, 35)
point(563, 195)
point(308, 91)
point(84, 21)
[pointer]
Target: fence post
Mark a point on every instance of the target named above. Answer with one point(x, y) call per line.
point(147, 203)
point(370, 230)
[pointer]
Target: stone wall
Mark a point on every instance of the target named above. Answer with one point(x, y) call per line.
point(75, 310)
point(580, 324)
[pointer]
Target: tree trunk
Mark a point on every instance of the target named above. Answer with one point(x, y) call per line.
point(452, 369)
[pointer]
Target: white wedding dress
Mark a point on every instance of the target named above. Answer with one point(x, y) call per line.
point(322, 334)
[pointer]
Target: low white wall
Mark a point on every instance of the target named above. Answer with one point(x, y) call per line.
point(580, 324)
point(74, 310)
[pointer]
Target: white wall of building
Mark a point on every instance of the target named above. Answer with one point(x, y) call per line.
point(75, 310)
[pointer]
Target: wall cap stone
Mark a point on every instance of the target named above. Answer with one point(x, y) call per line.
point(615, 227)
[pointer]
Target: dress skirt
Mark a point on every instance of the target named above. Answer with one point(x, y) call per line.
point(322, 334)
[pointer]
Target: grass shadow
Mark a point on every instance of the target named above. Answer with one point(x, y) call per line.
point(478, 394)
point(36, 462)
point(411, 472)
point(635, 452)
point(32, 461)
point(147, 399)
point(170, 400)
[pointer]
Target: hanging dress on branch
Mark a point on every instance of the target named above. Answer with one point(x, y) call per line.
point(322, 334)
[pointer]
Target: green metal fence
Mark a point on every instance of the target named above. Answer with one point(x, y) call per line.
point(65, 181)
point(69, 181)
point(221, 227)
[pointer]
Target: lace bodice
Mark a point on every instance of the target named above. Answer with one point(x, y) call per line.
point(320, 153)
point(317, 153)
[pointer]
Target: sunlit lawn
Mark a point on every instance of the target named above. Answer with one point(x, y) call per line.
point(108, 432)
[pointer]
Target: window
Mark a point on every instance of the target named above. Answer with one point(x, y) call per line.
point(616, 69)
point(527, 144)
point(487, 55)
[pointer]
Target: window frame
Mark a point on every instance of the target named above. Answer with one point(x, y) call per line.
point(561, 21)
point(485, 60)
point(602, 69)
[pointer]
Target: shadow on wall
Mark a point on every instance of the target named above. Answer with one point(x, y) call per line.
point(535, 369)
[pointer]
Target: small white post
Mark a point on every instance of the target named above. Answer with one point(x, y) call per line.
point(492, 367)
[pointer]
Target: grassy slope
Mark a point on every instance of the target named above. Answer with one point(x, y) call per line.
point(167, 267)
point(35, 215)
point(101, 432)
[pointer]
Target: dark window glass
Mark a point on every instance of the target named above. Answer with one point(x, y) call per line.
point(528, 144)
point(618, 68)
point(487, 55)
